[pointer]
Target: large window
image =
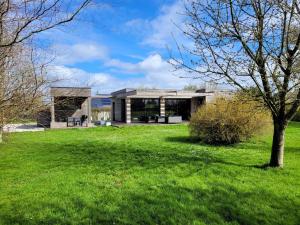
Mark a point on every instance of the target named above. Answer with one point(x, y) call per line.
point(178, 107)
point(66, 106)
point(144, 109)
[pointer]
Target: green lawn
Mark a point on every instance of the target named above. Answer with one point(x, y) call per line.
point(145, 175)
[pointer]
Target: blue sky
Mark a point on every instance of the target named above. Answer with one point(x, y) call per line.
point(118, 44)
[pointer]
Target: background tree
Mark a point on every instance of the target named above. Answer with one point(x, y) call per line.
point(22, 76)
point(24, 87)
point(190, 87)
point(248, 43)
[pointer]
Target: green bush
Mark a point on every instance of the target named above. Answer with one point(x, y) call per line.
point(229, 121)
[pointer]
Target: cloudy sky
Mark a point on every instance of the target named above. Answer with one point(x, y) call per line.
point(122, 43)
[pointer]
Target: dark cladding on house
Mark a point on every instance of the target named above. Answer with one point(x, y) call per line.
point(144, 105)
point(70, 106)
point(74, 107)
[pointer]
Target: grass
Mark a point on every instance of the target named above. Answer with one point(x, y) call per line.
point(145, 175)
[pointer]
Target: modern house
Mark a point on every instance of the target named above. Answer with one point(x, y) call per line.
point(75, 107)
point(70, 106)
point(143, 105)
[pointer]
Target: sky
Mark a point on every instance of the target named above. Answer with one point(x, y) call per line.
point(119, 44)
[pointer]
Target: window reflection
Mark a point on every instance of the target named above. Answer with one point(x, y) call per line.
point(178, 107)
point(144, 109)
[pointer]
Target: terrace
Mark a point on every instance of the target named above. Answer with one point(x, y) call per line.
point(156, 105)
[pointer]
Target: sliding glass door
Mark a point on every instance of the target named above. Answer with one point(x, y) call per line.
point(144, 109)
point(178, 107)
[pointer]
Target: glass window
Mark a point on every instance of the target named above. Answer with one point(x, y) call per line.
point(144, 109)
point(178, 107)
point(66, 106)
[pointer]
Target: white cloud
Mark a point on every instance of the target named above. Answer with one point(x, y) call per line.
point(69, 76)
point(164, 30)
point(156, 73)
point(99, 79)
point(138, 27)
point(81, 52)
point(153, 63)
point(167, 26)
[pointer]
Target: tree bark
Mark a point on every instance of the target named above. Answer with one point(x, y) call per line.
point(278, 144)
point(1, 134)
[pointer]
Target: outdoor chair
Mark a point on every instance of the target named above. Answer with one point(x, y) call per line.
point(77, 121)
point(70, 122)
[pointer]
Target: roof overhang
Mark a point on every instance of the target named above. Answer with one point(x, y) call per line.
point(70, 91)
point(158, 93)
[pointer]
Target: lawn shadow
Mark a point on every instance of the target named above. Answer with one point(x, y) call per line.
point(263, 166)
point(221, 203)
point(109, 157)
point(292, 149)
point(172, 200)
point(184, 139)
point(196, 141)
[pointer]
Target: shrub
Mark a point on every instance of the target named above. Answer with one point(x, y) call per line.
point(229, 121)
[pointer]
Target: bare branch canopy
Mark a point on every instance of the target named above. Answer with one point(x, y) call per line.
point(248, 43)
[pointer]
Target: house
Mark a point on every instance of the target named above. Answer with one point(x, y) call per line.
point(70, 106)
point(141, 105)
point(75, 107)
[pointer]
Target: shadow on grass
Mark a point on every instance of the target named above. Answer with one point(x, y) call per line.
point(196, 141)
point(119, 156)
point(210, 201)
point(183, 139)
point(122, 156)
point(294, 150)
point(222, 203)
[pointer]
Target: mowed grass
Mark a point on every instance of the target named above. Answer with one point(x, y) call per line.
point(145, 175)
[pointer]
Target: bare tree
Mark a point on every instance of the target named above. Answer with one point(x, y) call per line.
point(248, 43)
point(24, 86)
point(22, 77)
point(21, 19)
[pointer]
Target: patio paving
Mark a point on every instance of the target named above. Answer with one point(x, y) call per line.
point(32, 127)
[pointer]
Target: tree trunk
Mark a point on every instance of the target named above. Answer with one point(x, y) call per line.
point(1, 132)
point(278, 144)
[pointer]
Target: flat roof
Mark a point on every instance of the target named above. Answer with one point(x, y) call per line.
point(70, 91)
point(66, 87)
point(126, 90)
point(158, 93)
